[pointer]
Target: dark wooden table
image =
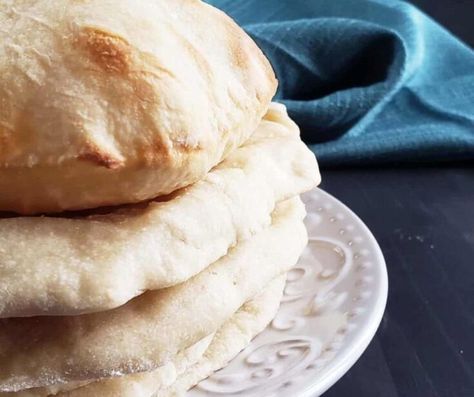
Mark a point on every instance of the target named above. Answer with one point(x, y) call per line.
point(423, 218)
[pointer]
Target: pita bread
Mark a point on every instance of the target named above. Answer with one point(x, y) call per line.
point(229, 340)
point(192, 365)
point(148, 331)
point(143, 383)
point(65, 266)
point(106, 102)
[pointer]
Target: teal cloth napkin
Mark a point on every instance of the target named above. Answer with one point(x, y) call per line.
point(368, 81)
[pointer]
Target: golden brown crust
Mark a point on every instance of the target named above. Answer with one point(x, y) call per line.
point(111, 52)
point(94, 154)
point(6, 141)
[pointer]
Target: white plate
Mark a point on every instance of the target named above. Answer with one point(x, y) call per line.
point(333, 304)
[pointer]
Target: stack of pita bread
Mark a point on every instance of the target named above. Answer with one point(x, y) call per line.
point(149, 192)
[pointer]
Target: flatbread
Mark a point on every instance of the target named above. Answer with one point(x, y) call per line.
point(148, 331)
point(106, 102)
point(229, 340)
point(66, 266)
point(193, 365)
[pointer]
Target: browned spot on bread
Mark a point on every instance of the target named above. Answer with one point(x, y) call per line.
point(93, 154)
point(5, 142)
point(10, 145)
point(144, 90)
point(243, 52)
point(186, 148)
point(111, 52)
point(237, 41)
point(156, 152)
point(238, 53)
point(161, 152)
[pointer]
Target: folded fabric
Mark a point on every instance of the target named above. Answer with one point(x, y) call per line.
point(368, 81)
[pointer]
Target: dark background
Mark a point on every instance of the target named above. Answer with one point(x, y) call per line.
point(423, 218)
point(456, 15)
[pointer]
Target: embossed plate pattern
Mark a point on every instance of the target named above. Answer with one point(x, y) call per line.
point(333, 303)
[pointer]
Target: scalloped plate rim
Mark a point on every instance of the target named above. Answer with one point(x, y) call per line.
point(345, 360)
point(357, 340)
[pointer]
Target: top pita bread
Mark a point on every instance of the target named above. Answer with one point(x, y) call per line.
point(58, 266)
point(106, 102)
